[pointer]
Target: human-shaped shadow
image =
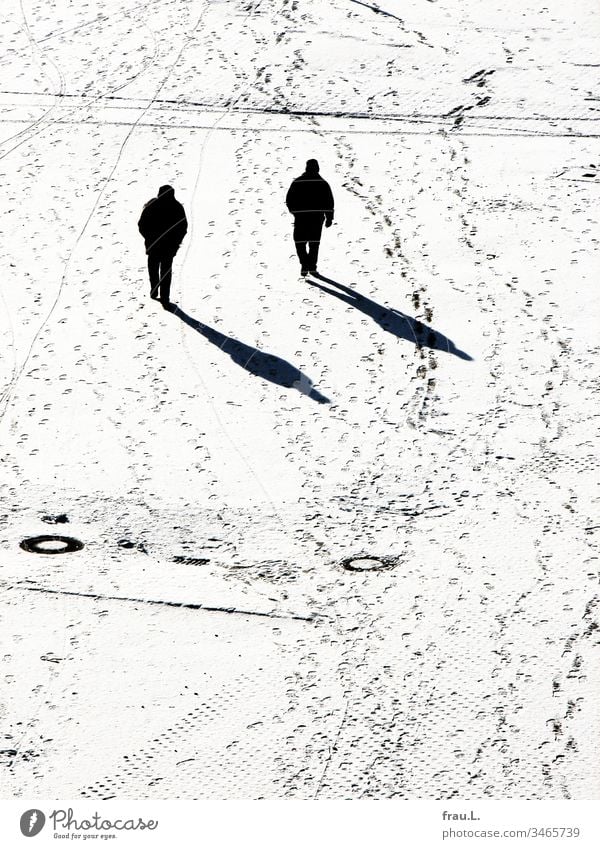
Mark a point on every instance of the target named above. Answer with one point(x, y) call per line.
point(394, 321)
point(268, 366)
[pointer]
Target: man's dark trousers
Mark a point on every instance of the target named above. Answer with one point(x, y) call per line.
point(160, 271)
point(307, 231)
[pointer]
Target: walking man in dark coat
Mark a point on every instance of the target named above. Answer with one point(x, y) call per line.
point(163, 225)
point(310, 201)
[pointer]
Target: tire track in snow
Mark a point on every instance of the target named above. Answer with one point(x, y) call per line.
point(97, 20)
point(35, 48)
point(82, 232)
point(39, 125)
point(9, 390)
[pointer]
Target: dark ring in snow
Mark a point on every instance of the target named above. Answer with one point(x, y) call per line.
point(35, 545)
point(367, 563)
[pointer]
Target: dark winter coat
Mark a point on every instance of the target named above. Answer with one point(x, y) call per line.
point(163, 224)
point(310, 193)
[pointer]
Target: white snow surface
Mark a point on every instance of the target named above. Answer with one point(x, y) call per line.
point(288, 425)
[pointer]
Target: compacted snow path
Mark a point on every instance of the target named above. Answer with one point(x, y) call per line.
point(428, 405)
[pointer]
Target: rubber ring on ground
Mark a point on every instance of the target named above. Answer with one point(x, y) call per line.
point(35, 545)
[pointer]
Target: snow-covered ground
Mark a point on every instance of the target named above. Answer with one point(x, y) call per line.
point(229, 457)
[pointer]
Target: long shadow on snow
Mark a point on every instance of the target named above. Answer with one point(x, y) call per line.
point(394, 321)
point(267, 366)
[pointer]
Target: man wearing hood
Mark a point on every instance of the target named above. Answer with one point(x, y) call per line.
point(310, 201)
point(163, 225)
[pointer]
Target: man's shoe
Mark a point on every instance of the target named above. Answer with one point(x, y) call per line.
point(304, 272)
point(168, 306)
point(154, 297)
